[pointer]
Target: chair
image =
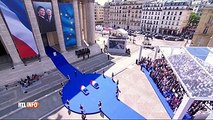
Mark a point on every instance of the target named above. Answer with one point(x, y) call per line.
point(94, 84)
point(84, 90)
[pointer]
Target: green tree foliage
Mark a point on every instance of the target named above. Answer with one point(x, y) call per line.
point(193, 19)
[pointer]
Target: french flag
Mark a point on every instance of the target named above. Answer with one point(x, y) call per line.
point(17, 21)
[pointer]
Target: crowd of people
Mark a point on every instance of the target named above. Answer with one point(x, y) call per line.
point(83, 52)
point(200, 106)
point(29, 80)
point(165, 79)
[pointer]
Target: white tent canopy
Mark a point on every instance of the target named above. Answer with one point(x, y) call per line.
point(121, 32)
point(195, 72)
point(193, 67)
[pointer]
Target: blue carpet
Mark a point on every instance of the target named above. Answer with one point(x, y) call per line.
point(201, 52)
point(161, 97)
point(111, 107)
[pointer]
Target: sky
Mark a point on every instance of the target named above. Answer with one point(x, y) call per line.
point(102, 1)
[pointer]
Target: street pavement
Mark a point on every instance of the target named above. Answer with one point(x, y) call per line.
point(136, 90)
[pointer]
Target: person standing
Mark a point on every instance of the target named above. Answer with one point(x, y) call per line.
point(112, 75)
point(83, 116)
point(75, 73)
point(69, 112)
point(60, 93)
point(117, 82)
point(117, 93)
point(103, 74)
point(82, 109)
point(108, 56)
point(100, 105)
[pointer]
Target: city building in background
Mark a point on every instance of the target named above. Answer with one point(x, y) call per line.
point(174, 17)
point(166, 17)
point(151, 17)
point(198, 5)
point(99, 14)
point(106, 14)
point(203, 35)
point(126, 15)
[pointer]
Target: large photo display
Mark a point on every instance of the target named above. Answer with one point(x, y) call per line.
point(116, 44)
point(45, 16)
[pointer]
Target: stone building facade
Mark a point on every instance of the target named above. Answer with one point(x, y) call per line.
point(99, 14)
point(83, 16)
point(155, 17)
point(203, 35)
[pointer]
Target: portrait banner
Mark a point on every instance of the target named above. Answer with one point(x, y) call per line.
point(45, 16)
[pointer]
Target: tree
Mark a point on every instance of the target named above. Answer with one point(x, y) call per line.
point(193, 19)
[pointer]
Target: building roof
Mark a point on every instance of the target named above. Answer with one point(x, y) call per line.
point(176, 3)
point(193, 67)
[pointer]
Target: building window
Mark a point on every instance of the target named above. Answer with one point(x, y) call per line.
point(180, 13)
point(177, 24)
point(166, 23)
point(210, 20)
point(175, 13)
point(167, 18)
point(164, 13)
point(163, 17)
point(178, 18)
point(205, 30)
point(162, 22)
point(174, 18)
point(168, 13)
point(171, 13)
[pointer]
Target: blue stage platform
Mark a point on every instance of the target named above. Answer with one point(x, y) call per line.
point(111, 107)
point(160, 96)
